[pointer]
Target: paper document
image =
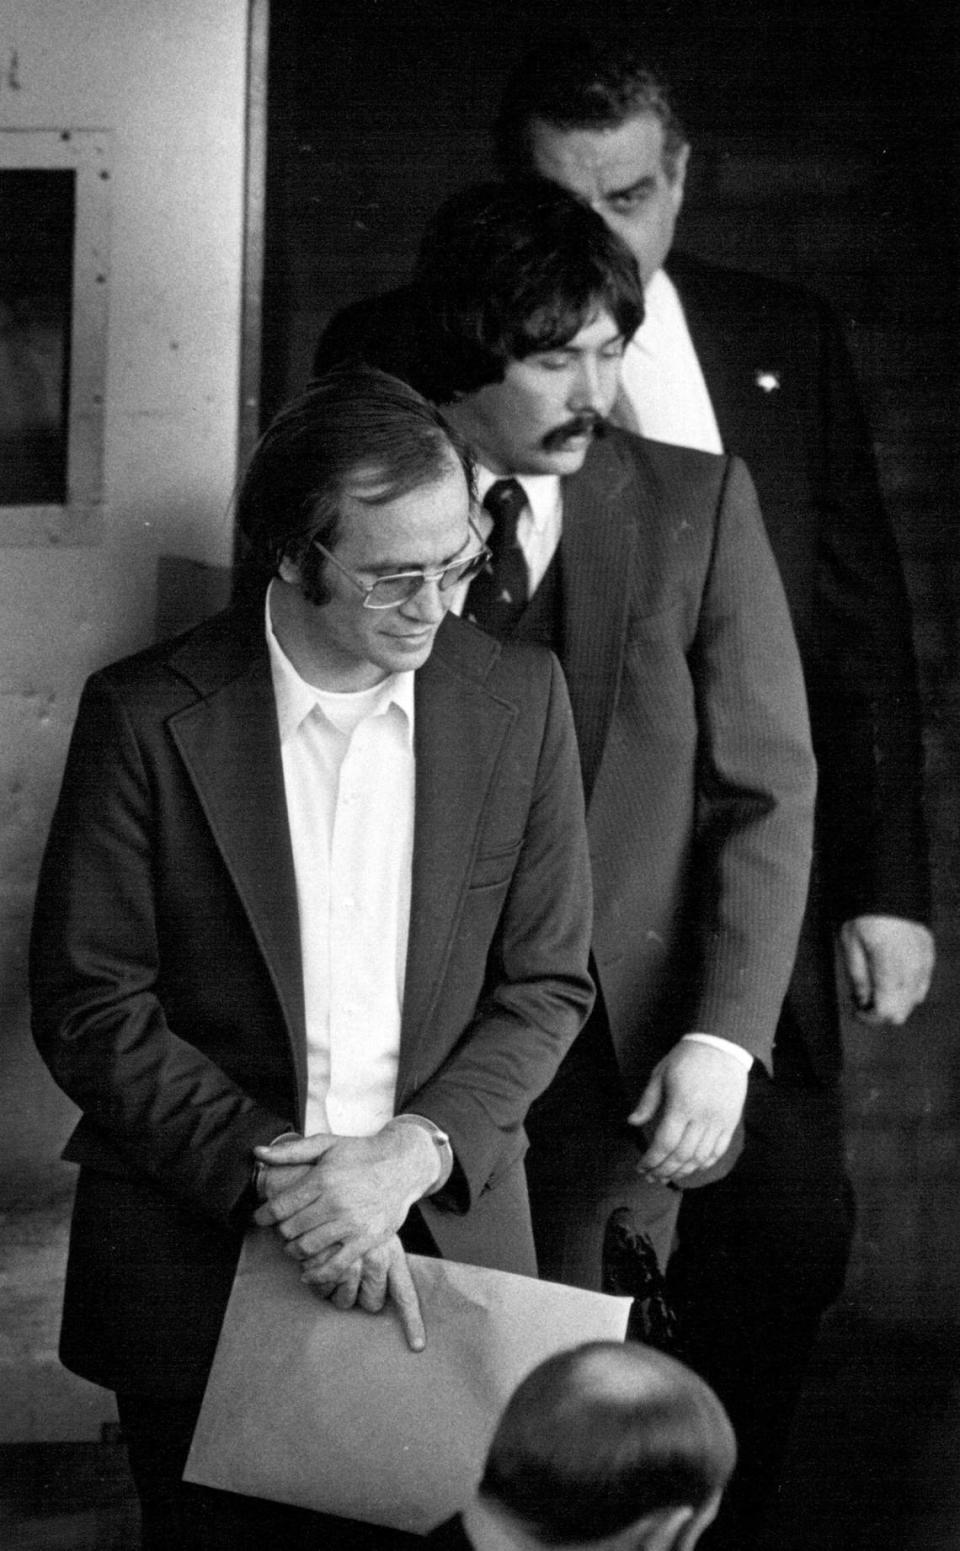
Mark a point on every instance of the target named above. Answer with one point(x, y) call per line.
point(330, 1410)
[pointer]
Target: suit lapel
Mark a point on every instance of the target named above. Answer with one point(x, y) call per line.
point(459, 732)
point(597, 556)
point(230, 746)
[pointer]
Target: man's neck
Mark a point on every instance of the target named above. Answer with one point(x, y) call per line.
point(491, 1528)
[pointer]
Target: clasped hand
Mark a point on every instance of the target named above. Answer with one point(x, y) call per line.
point(338, 1202)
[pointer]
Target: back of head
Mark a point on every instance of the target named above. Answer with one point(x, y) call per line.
point(506, 270)
point(571, 80)
point(599, 1437)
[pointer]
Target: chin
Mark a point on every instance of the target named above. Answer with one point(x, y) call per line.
point(403, 658)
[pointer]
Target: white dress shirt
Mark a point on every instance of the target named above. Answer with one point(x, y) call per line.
point(661, 375)
point(349, 779)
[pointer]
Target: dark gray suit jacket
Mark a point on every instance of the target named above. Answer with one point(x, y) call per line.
point(807, 444)
point(167, 983)
point(688, 700)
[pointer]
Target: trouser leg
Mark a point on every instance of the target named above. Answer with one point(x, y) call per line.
point(581, 1166)
point(576, 1183)
point(760, 1256)
point(157, 1435)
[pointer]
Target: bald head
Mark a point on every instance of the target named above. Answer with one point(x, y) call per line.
point(600, 1437)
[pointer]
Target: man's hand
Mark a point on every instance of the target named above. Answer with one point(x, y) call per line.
point(353, 1195)
point(694, 1100)
point(889, 963)
point(379, 1275)
point(280, 1177)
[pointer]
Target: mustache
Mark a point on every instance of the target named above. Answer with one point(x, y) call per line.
point(578, 425)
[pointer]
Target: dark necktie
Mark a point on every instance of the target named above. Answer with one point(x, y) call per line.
point(499, 595)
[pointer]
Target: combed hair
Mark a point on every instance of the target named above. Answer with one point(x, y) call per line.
point(572, 80)
point(506, 270)
point(354, 423)
point(599, 1437)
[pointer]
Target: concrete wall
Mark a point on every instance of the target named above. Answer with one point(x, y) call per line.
point(167, 79)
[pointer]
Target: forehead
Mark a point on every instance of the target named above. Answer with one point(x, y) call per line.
point(589, 161)
point(599, 329)
point(376, 521)
point(371, 484)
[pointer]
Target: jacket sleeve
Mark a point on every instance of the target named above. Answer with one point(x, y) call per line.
point(537, 990)
point(861, 673)
point(150, 1098)
point(756, 782)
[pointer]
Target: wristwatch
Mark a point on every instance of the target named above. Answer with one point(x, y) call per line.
point(442, 1142)
point(260, 1169)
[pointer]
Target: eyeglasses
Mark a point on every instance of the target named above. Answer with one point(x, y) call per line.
point(388, 592)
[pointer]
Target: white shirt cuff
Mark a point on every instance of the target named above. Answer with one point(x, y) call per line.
point(743, 1057)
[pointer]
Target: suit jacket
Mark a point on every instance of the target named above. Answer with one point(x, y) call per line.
point(688, 700)
point(167, 984)
point(807, 445)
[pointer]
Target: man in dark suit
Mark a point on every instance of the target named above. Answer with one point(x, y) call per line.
point(318, 867)
point(646, 568)
point(607, 1447)
point(734, 361)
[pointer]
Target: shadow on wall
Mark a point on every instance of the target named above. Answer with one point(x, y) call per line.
point(187, 592)
point(874, 1461)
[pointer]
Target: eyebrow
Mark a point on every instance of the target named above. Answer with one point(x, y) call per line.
point(574, 349)
point(648, 181)
point(397, 567)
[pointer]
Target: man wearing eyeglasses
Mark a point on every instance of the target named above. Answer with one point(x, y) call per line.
point(311, 932)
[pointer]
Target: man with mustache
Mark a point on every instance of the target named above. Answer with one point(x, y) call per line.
point(726, 360)
point(646, 568)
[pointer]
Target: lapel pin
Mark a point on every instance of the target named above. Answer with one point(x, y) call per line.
point(768, 381)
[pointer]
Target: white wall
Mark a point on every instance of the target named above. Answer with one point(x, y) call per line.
point(167, 78)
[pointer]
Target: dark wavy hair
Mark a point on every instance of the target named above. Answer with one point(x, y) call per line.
point(505, 270)
point(353, 424)
point(599, 1437)
point(572, 80)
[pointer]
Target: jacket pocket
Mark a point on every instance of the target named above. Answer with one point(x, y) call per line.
point(495, 868)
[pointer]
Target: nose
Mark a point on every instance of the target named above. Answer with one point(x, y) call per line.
point(428, 604)
point(594, 385)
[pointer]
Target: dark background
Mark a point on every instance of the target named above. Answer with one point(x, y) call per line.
point(825, 149)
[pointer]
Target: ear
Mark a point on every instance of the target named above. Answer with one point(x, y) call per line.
point(698, 1523)
point(289, 571)
point(665, 1530)
point(678, 181)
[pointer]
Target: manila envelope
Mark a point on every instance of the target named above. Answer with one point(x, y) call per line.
point(329, 1409)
